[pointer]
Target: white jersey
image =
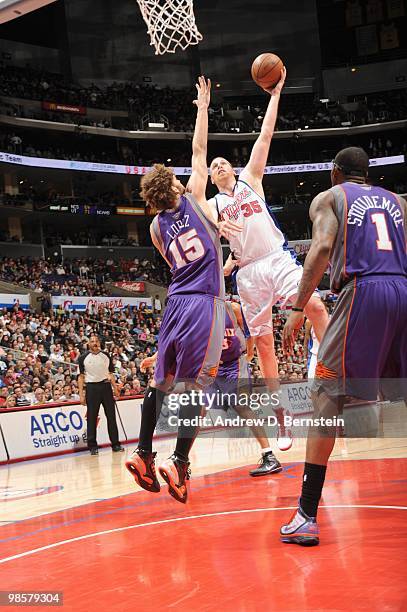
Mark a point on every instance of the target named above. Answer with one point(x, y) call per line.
point(260, 235)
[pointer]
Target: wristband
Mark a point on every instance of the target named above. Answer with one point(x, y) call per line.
point(297, 309)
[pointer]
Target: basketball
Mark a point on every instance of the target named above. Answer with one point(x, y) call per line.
point(266, 70)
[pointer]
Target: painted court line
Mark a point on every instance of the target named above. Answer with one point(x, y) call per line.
point(183, 518)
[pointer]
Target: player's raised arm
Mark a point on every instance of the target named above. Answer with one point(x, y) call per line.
point(199, 177)
point(253, 173)
point(324, 232)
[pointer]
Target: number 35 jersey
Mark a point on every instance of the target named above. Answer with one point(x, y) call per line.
point(260, 235)
point(371, 238)
point(190, 244)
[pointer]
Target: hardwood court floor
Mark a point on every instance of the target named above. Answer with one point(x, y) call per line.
point(79, 524)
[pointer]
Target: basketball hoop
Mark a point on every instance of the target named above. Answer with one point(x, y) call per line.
point(170, 23)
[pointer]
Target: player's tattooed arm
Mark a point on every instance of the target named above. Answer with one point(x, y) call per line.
point(324, 232)
point(254, 171)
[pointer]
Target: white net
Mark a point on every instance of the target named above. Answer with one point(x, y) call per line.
point(171, 24)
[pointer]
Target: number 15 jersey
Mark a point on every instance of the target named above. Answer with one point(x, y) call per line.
point(260, 235)
point(190, 244)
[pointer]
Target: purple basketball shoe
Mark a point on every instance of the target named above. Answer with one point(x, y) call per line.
point(301, 529)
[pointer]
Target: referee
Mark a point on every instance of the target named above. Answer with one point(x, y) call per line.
point(96, 372)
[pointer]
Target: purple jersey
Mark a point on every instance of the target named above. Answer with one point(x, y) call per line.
point(234, 343)
point(190, 244)
point(371, 238)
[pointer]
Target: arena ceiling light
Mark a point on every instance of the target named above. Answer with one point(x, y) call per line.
point(11, 9)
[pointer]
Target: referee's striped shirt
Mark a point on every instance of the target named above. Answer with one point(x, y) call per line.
point(95, 366)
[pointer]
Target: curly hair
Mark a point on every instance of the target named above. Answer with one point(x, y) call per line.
point(156, 188)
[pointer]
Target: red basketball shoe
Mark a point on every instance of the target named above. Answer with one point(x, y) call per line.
point(175, 472)
point(141, 466)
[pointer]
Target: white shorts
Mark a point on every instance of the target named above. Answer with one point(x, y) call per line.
point(262, 284)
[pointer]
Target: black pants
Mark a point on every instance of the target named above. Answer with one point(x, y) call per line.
point(96, 394)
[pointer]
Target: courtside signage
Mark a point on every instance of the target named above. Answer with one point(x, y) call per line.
point(93, 304)
point(66, 164)
point(46, 430)
point(8, 300)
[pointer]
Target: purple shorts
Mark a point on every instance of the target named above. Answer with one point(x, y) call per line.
point(366, 339)
point(190, 339)
point(233, 379)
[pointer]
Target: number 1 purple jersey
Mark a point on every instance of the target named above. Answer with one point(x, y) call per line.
point(190, 244)
point(371, 238)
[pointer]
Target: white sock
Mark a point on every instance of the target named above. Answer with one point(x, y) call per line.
point(264, 451)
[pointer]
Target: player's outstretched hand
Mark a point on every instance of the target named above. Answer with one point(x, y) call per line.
point(291, 329)
point(228, 229)
point(204, 92)
point(276, 91)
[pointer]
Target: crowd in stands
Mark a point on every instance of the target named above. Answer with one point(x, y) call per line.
point(39, 352)
point(363, 110)
point(294, 229)
point(303, 111)
point(106, 199)
point(137, 99)
point(89, 237)
point(78, 277)
point(16, 143)
point(380, 147)
point(41, 201)
point(33, 84)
